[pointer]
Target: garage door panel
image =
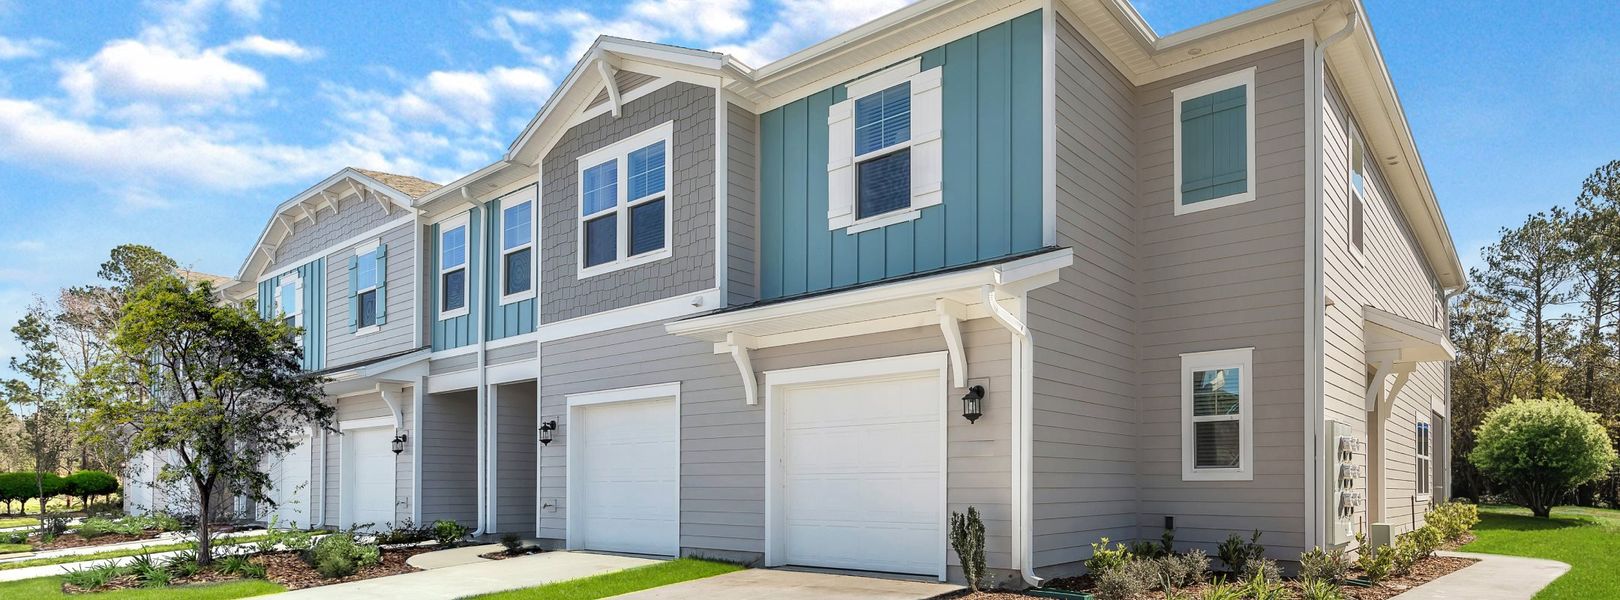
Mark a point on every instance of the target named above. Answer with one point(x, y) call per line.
point(628, 476)
point(370, 458)
point(861, 474)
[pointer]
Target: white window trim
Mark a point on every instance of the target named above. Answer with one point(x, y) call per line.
point(620, 152)
point(360, 251)
point(533, 233)
point(1423, 460)
point(460, 220)
point(925, 132)
point(1355, 146)
point(297, 312)
point(1244, 78)
point(1243, 360)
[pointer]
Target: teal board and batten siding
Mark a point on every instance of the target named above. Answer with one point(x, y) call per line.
point(314, 275)
point(457, 331)
point(512, 318)
point(992, 181)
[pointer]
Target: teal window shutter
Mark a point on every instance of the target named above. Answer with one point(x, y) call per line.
point(1215, 145)
point(267, 290)
point(382, 283)
point(354, 300)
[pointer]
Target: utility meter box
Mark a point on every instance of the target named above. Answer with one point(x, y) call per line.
point(1343, 472)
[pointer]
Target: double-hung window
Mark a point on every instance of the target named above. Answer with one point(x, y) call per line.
point(517, 249)
point(1217, 406)
point(624, 201)
point(289, 302)
point(368, 279)
point(1358, 191)
point(1214, 142)
point(884, 146)
point(453, 267)
point(1425, 464)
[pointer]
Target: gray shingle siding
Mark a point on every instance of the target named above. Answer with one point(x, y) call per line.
point(354, 217)
point(691, 184)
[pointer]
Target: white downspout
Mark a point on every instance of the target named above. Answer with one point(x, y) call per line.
point(484, 414)
point(1023, 413)
point(1315, 301)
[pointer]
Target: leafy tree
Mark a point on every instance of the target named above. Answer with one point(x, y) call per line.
point(38, 395)
point(85, 484)
point(1528, 270)
point(1493, 365)
point(1541, 449)
point(214, 383)
point(17, 487)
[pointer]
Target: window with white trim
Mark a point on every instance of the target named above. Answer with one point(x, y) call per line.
point(624, 203)
point(884, 148)
point(1214, 142)
point(367, 277)
point(1425, 463)
point(290, 301)
point(1217, 406)
point(453, 267)
point(517, 251)
point(1358, 191)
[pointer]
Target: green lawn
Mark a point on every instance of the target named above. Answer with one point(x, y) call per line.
point(10, 548)
point(1588, 539)
point(6, 522)
point(621, 582)
point(51, 587)
point(119, 553)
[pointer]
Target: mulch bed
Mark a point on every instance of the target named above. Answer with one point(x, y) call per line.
point(1428, 570)
point(503, 555)
point(289, 570)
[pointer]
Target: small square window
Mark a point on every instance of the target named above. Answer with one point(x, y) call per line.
point(1214, 137)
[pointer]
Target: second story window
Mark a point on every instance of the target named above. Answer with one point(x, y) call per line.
point(517, 251)
point(290, 300)
point(453, 267)
point(368, 280)
point(624, 216)
point(1214, 142)
point(1358, 191)
point(884, 148)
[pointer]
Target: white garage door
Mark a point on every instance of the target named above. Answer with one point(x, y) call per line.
point(861, 475)
point(627, 471)
point(289, 478)
point(368, 476)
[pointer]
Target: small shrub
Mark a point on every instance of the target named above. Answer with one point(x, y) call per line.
point(1223, 591)
point(406, 532)
point(1261, 587)
point(51, 526)
point(163, 523)
point(512, 543)
point(1414, 546)
point(1542, 449)
point(967, 539)
point(1453, 519)
point(1121, 583)
point(1330, 566)
point(1236, 553)
point(93, 576)
point(1104, 559)
point(1317, 589)
point(1375, 563)
point(183, 563)
point(148, 571)
point(1144, 549)
point(1178, 570)
point(15, 537)
point(340, 555)
point(449, 533)
point(1262, 568)
point(235, 564)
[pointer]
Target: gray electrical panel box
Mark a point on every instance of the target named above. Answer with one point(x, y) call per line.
point(1343, 470)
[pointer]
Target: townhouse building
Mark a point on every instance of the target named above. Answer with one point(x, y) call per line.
point(1022, 255)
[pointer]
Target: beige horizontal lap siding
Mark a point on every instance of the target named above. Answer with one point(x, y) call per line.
point(364, 406)
point(722, 456)
point(1218, 279)
point(449, 438)
point(1391, 274)
point(1085, 324)
point(978, 454)
point(396, 333)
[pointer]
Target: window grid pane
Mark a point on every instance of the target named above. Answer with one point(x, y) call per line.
point(453, 290)
point(366, 272)
point(884, 184)
point(368, 308)
point(288, 298)
point(646, 174)
point(454, 248)
point(601, 187)
point(516, 223)
point(517, 271)
point(1216, 393)
point(647, 227)
point(601, 240)
point(883, 119)
point(1218, 445)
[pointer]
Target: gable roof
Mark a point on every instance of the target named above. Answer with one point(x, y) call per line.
point(1114, 27)
point(390, 190)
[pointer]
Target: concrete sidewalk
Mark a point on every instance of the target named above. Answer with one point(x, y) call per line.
point(779, 584)
point(481, 577)
point(1494, 577)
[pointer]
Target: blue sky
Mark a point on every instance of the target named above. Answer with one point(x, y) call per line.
point(180, 124)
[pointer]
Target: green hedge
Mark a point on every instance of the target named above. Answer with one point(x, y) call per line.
point(18, 488)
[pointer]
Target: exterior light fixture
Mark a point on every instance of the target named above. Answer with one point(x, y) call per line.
point(973, 403)
point(545, 431)
point(398, 443)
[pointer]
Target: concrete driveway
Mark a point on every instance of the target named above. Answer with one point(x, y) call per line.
point(477, 578)
point(777, 584)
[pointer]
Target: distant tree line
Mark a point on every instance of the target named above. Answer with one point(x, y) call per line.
point(1543, 320)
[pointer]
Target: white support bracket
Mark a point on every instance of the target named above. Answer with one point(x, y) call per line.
point(608, 71)
point(738, 344)
point(329, 202)
point(393, 395)
point(951, 314)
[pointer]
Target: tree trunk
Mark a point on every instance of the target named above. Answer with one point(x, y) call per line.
point(205, 554)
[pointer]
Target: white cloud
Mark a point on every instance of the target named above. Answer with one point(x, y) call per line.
point(137, 71)
point(798, 24)
point(460, 100)
point(13, 48)
point(263, 46)
point(695, 18)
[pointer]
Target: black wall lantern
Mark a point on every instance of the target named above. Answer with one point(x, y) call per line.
point(545, 431)
point(973, 403)
point(399, 443)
